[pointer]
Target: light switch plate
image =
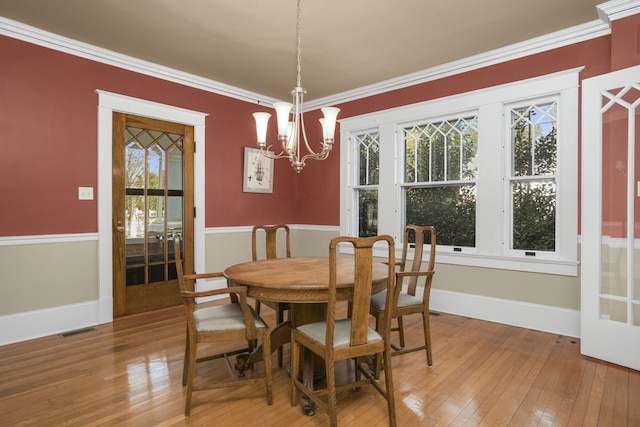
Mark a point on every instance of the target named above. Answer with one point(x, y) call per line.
point(85, 193)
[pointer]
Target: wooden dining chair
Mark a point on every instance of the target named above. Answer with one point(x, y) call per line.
point(346, 338)
point(272, 250)
point(236, 321)
point(405, 300)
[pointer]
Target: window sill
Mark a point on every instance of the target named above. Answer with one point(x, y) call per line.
point(542, 266)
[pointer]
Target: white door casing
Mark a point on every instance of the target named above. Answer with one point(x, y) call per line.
point(107, 104)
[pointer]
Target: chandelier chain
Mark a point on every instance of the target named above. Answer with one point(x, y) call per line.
point(298, 47)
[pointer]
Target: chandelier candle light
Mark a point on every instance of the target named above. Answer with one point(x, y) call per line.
point(289, 131)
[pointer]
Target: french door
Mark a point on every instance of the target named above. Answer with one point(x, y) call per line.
point(153, 201)
point(610, 268)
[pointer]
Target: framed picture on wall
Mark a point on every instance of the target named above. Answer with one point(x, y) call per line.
point(258, 172)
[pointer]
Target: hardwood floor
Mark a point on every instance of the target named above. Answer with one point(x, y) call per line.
point(129, 373)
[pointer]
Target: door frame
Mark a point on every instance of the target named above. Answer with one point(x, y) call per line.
point(108, 103)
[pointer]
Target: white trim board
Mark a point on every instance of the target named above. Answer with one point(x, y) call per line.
point(40, 323)
point(556, 320)
point(49, 321)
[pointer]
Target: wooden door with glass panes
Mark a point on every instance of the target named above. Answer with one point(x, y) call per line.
point(152, 202)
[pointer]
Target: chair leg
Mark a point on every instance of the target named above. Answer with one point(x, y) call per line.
point(191, 371)
point(280, 314)
point(427, 336)
point(331, 393)
point(388, 379)
point(266, 355)
point(185, 365)
point(295, 371)
point(400, 330)
point(377, 366)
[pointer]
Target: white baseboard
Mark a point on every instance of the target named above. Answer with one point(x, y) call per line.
point(40, 323)
point(561, 321)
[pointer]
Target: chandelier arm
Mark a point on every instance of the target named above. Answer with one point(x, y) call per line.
point(304, 137)
point(266, 151)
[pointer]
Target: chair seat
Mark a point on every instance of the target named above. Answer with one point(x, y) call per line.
point(223, 318)
point(404, 300)
point(341, 333)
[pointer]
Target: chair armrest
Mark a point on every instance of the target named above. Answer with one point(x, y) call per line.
point(237, 290)
point(200, 294)
point(195, 276)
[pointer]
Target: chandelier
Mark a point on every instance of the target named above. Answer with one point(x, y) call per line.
point(291, 131)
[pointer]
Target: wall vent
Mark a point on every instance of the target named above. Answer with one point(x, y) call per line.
point(76, 332)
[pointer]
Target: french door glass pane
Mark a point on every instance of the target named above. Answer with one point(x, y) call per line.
point(619, 285)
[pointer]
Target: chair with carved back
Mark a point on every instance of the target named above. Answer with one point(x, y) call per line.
point(272, 234)
point(207, 323)
point(406, 300)
point(346, 337)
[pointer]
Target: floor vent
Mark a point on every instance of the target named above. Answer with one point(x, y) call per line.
point(76, 332)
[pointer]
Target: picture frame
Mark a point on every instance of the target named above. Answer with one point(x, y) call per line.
point(258, 172)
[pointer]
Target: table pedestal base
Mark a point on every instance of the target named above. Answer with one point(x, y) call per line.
point(300, 314)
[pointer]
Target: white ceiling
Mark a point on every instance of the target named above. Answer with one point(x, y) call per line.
point(346, 44)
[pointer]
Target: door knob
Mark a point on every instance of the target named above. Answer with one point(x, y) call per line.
point(120, 227)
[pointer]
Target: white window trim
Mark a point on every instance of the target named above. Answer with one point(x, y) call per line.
point(490, 249)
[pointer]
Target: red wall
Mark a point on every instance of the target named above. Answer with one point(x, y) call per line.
point(625, 44)
point(48, 133)
point(48, 144)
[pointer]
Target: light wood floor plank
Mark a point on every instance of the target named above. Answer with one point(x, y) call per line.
point(129, 373)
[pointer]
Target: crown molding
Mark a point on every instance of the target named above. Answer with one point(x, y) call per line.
point(612, 10)
point(555, 40)
point(27, 33)
point(617, 9)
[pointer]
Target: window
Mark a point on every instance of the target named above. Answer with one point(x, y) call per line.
point(440, 174)
point(532, 179)
point(494, 170)
point(368, 146)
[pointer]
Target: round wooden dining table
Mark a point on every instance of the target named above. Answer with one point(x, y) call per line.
point(303, 282)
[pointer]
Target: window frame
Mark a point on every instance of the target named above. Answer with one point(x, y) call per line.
point(491, 241)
